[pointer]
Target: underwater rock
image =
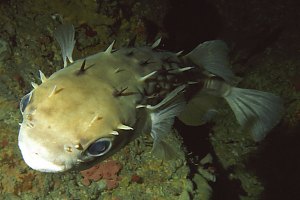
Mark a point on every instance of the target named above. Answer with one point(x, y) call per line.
point(5, 50)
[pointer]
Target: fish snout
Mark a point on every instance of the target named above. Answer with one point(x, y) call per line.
point(38, 157)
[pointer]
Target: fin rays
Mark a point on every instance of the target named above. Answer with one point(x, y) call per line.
point(213, 57)
point(265, 108)
point(162, 118)
point(65, 34)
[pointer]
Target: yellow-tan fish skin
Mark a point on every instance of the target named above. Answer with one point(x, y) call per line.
point(83, 107)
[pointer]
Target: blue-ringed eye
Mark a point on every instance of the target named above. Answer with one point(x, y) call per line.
point(100, 147)
point(24, 101)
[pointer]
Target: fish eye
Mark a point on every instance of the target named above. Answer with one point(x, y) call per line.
point(99, 147)
point(24, 101)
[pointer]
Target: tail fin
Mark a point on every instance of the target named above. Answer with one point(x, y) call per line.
point(264, 110)
point(261, 110)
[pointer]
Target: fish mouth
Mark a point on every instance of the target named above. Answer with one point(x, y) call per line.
point(34, 157)
point(36, 162)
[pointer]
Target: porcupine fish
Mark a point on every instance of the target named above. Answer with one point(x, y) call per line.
point(94, 106)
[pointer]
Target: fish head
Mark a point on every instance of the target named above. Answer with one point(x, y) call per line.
point(65, 125)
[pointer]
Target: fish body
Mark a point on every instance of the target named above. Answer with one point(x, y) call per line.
point(94, 106)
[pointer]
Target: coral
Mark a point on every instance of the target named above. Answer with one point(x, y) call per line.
point(107, 171)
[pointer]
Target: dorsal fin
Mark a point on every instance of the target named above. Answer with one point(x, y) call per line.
point(65, 36)
point(213, 57)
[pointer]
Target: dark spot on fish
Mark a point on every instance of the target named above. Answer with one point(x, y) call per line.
point(81, 70)
point(146, 62)
point(121, 92)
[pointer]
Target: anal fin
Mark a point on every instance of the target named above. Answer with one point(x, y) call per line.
point(162, 119)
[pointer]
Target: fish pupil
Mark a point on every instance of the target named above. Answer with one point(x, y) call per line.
point(99, 147)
